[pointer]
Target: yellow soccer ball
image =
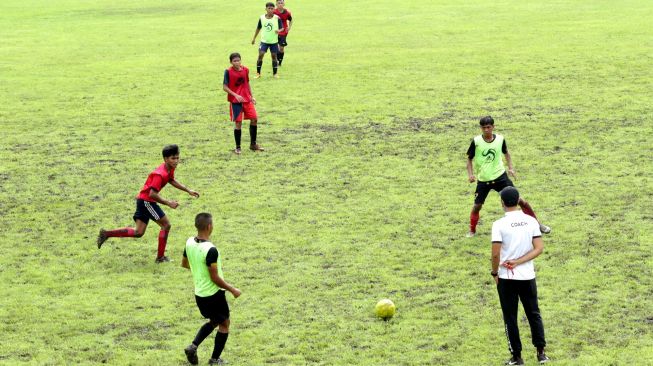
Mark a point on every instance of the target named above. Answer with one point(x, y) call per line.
point(385, 309)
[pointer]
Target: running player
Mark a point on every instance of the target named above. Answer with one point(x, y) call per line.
point(485, 156)
point(271, 26)
point(147, 207)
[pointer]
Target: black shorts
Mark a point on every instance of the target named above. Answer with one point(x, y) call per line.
point(282, 41)
point(214, 307)
point(483, 188)
point(146, 210)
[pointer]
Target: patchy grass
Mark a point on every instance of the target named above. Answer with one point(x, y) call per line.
point(361, 195)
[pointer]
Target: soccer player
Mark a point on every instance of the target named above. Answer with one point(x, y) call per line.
point(147, 207)
point(271, 26)
point(205, 263)
point(516, 241)
point(241, 101)
point(485, 156)
point(286, 21)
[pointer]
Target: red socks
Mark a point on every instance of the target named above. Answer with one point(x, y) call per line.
point(163, 240)
point(121, 233)
point(473, 220)
point(527, 209)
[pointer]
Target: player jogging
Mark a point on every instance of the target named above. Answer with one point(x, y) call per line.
point(484, 156)
point(286, 22)
point(147, 207)
point(205, 263)
point(241, 101)
point(270, 26)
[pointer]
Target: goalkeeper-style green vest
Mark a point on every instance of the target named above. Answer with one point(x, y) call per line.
point(196, 254)
point(488, 158)
point(268, 28)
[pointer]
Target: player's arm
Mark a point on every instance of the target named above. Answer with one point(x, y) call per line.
point(154, 194)
point(470, 166)
point(280, 22)
point(504, 150)
point(182, 187)
point(289, 22)
point(184, 261)
point(258, 29)
point(213, 271)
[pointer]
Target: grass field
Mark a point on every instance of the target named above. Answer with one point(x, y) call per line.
point(362, 193)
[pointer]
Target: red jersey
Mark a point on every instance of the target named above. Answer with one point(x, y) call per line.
point(238, 82)
point(156, 180)
point(285, 17)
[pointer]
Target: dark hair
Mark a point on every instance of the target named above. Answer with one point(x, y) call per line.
point(170, 150)
point(267, 5)
point(487, 120)
point(510, 196)
point(233, 56)
point(203, 220)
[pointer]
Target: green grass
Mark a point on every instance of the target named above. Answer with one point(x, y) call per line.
point(362, 193)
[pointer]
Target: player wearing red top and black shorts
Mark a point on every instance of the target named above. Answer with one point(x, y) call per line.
point(286, 21)
point(241, 101)
point(147, 207)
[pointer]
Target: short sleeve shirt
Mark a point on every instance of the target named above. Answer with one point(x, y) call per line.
point(156, 181)
point(515, 231)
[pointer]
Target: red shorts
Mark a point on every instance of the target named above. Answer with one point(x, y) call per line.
point(240, 111)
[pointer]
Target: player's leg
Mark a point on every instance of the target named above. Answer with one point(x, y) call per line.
point(249, 112)
point(164, 223)
point(206, 306)
point(282, 46)
point(263, 48)
point(236, 115)
point(140, 217)
point(223, 328)
point(274, 50)
point(482, 190)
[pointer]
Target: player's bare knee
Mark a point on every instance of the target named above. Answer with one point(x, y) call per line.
point(138, 234)
point(224, 326)
point(253, 122)
point(166, 227)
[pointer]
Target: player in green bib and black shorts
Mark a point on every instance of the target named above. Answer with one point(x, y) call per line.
point(270, 26)
point(205, 263)
point(485, 157)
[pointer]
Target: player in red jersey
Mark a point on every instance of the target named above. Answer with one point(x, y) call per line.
point(241, 101)
point(286, 20)
point(146, 204)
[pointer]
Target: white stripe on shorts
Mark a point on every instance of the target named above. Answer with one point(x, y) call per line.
point(152, 211)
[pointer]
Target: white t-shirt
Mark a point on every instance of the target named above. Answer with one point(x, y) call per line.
point(515, 231)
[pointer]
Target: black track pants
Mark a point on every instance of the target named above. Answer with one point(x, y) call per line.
point(510, 292)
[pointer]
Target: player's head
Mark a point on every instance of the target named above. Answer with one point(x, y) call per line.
point(487, 125)
point(280, 4)
point(234, 58)
point(509, 196)
point(171, 155)
point(204, 222)
point(269, 7)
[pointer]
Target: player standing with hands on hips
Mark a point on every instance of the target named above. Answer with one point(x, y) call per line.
point(485, 156)
point(516, 241)
point(270, 26)
point(205, 263)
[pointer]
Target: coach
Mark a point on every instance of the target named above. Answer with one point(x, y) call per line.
point(516, 241)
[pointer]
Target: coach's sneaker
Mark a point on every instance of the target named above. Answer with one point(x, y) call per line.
point(256, 147)
point(217, 361)
point(257, 76)
point(191, 354)
point(542, 358)
point(163, 259)
point(515, 361)
point(545, 229)
point(470, 234)
point(101, 238)
point(237, 151)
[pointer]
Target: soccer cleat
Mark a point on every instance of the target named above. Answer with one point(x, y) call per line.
point(257, 76)
point(276, 76)
point(217, 361)
point(545, 229)
point(470, 234)
point(542, 358)
point(237, 151)
point(515, 361)
point(163, 259)
point(101, 238)
point(256, 147)
point(191, 354)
